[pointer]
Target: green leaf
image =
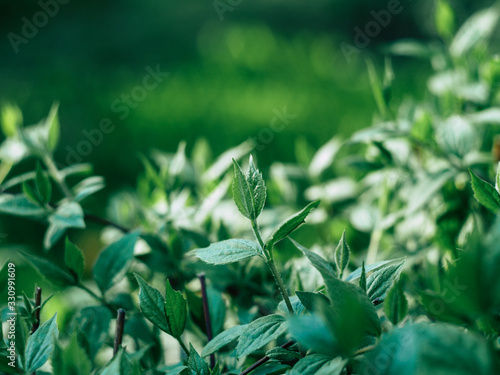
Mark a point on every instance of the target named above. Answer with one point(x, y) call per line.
point(52, 272)
point(485, 193)
point(43, 185)
point(93, 323)
point(19, 205)
point(356, 274)
point(53, 234)
point(223, 339)
point(379, 282)
point(73, 257)
point(260, 332)
point(318, 364)
point(12, 119)
point(31, 194)
point(41, 345)
point(396, 305)
point(354, 310)
point(376, 88)
point(68, 215)
point(242, 193)
point(5, 363)
point(217, 307)
point(175, 311)
point(114, 261)
point(152, 305)
point(313, 333)
point(173, 370)
point(425, 348)
point(72, 359)
point(310, 300)
point(121, 364)
point(342, 255)
point(291, 224)
point(317, 261)
point(196, 364)
point(228, 251)
point(216, 370)
point(445, 19)
point(282, 355)
point(52, 124)
point(362, 278)
point(257, 187)
point(475, 30)
point(87, 187)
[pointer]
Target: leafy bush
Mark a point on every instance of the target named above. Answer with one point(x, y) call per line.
point(418, 190)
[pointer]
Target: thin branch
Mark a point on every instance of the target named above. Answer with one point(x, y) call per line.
point(206, 311)
point(38, 304)
point(263, 360)
point(120, 324)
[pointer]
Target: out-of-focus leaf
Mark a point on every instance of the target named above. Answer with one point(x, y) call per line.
point(485, 193)
point(114, 261)
point(19, 205)
point(396, 305)
point(11, 119)
point(475, 30)
point(430, 348)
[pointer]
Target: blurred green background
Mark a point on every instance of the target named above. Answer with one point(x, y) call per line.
point(233, 69)
point(226, 75)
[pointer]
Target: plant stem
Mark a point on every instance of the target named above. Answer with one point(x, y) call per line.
point(263, 360)
point(38, 303)
point(56, 175)
point(256, 231)
point(206, 311)
point(281, 285)
point(120, 325)
point(183, 346)
point(274, 270)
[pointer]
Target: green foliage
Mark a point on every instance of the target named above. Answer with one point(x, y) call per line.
point(228, 251)
point(41, 345)
point(485, 193)
point(114, 261)
point(396, 306)
point(404, 191)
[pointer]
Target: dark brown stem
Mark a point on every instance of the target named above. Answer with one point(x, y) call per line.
point(120, 324)
point(102, 221)
point(38, 304)
point(263, 360)
point(206, 311)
